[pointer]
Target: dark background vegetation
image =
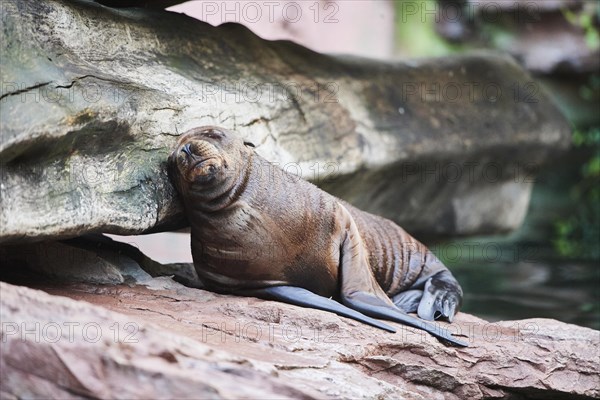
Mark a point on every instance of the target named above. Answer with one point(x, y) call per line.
point(550, 266)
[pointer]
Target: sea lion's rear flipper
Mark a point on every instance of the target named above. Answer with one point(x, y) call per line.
point(442, 296)
point(371, 305)
point(305, 298)
point(360, 290)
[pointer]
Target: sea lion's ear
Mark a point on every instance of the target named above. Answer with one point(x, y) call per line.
point(249, 144)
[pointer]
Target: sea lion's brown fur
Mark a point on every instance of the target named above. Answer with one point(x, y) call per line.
point(254, 225)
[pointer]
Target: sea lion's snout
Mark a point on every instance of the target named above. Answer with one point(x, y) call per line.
point(197, 159)
point(208, 162)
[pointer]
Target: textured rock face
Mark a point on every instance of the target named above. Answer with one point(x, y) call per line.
point(93, 99)
point(164, 340)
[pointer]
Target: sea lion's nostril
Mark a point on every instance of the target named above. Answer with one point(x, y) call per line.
point(187, 149)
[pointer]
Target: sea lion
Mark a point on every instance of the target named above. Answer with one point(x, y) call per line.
point(257, 230)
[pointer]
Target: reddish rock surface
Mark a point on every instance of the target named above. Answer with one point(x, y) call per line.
point(164, 340)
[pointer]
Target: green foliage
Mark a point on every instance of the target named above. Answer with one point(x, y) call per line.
point(584, 19)
point(415, 30)
point(578, 234)
point(590, 92)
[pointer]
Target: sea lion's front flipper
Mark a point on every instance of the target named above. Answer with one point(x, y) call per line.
point(408, 301)
point(305, 298)
point(360, 290)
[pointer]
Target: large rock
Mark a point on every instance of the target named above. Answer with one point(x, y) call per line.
point(94, 97)
point(102, 354)
point(89, 259)
point(164, 340)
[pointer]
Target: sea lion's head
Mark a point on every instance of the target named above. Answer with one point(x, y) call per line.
point(207, 161)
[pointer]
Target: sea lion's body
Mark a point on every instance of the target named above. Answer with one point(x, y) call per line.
point(254, 226)
point(280, 219)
